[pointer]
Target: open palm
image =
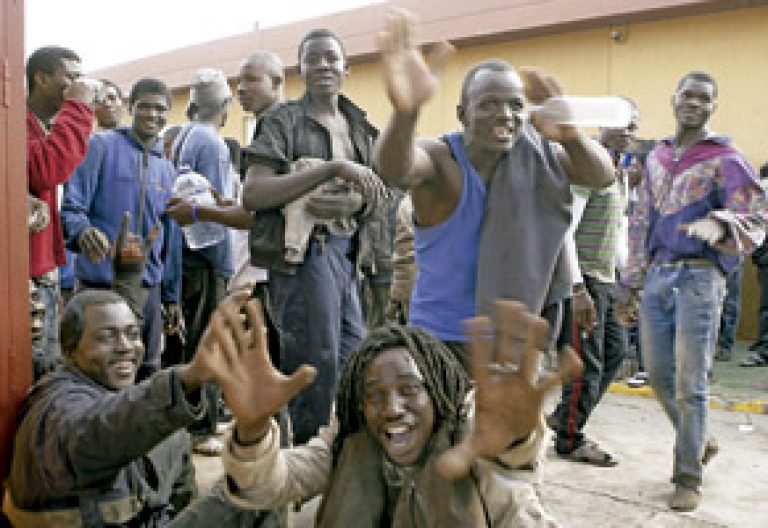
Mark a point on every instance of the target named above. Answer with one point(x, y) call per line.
point(409, 78)
point(234, 350)
point(509, 393)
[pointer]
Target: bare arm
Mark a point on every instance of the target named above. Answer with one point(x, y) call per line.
point(400, 161)
point(586, 162)
point(228, 215)
point(265, 189)
point(410, 80)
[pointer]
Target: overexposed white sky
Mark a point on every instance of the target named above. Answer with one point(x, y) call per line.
point(108, 32)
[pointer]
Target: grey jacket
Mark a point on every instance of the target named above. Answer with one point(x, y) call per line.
point(83, 452)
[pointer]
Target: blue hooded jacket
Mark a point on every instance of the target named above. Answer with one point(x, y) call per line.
point(106, 184)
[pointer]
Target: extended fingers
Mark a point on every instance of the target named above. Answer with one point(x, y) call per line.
point(569, 367)
point(512, 330)
point(438, 56)
point(258, 337)
point(302, 377)
point(403, 28)
point(218, 344)
point(539, 86)
point(480, 334)
point(226, 327)
point(537, 341)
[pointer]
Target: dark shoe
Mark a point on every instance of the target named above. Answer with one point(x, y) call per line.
point(723, 355)
point(711, 449)
point(591, 453)
point(755, 360)
point(684, 499)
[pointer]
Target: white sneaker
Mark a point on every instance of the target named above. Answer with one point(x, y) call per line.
point(640, 379)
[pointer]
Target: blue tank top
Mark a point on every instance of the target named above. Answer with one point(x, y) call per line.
point(446, 258)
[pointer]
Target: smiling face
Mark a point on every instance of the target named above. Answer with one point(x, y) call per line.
point(494, 112)
point(110, 349)
point(149, 116)
point(693, 103)
point(398, 410)
point(322, 65)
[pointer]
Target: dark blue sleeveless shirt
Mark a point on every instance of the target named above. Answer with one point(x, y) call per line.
point(446, 258)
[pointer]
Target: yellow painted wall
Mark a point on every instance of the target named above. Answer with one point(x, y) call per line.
point(645, 66)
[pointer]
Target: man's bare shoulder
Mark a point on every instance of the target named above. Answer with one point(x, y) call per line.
point(442, 161)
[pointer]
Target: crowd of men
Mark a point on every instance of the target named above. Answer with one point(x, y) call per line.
point(405, 397)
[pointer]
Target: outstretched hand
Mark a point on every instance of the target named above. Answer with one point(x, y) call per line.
point(233, 353)
point(509, 393)
point(409, 77)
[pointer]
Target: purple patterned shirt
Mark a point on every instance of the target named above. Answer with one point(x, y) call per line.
point(711, 179)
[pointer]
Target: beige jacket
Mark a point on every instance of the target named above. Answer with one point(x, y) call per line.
point(268, 477)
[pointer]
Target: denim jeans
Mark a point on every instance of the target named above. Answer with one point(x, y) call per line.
point(202, 291)
point(729, 320)
point(679, 317)
point(317, 312)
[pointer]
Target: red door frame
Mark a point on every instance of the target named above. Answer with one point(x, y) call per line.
point(15, 348)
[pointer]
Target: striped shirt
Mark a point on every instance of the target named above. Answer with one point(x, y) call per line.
point(599, 231)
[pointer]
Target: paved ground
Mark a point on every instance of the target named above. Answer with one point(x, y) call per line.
point(634, 493)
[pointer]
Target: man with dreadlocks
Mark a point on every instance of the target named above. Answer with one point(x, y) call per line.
point(410, 444)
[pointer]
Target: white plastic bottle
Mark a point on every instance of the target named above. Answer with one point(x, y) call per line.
point(608, 112)
point(196, 189)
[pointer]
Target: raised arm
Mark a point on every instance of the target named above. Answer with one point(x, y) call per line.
point(52, 159)
point(410, 82)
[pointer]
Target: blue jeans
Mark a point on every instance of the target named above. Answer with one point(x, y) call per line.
point(679, 317)
point(729, 320)
point(317, 312)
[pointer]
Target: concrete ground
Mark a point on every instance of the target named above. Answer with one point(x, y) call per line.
point(634, 493)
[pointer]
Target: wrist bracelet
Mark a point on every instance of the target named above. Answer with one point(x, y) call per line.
point(194, 213)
